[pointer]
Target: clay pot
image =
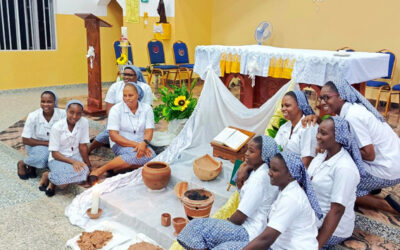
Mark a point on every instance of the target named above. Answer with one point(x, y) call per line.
point(207, 168)
point(156, 175)
point(197, 208)
point(165, 219)
point(180, 188)
point(94, 216)
point(179, 223)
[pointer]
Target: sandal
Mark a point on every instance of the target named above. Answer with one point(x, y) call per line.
point(51, 191)
point(19, 167)
point(44, 181)
point(393, 202)
point(92, 179)
point(31, 172)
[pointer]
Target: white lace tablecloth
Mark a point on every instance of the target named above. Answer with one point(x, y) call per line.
point(311, 66)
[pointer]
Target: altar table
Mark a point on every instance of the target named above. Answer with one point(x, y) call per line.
point(311, 68)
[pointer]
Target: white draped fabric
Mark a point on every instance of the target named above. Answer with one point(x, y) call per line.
point(311, 66)
point(216, 109)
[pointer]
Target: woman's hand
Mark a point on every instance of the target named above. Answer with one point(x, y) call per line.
point(309, 120)
point(78, 166)
point(142, 150)
point(242, 175)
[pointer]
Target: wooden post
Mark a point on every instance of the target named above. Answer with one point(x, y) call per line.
point(92, 25)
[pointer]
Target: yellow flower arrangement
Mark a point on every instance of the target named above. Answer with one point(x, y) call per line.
point(122, 60)
point(182, 102)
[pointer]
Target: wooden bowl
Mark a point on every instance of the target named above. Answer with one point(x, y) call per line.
point(94, 216)
point(180, 188)
point(207, 168)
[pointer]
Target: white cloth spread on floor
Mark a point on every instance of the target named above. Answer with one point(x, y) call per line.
point(217, 108)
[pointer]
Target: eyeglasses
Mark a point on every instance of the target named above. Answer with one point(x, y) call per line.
point(326, 97)
point(127, 74)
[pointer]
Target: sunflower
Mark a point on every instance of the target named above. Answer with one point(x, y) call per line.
point(122, 60)
point(181, 101)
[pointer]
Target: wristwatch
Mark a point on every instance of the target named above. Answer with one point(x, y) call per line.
point(147, 142)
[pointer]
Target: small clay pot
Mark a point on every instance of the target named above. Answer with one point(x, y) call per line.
point(197, 208)
point(165, 219)
point(179, 223)
point(156, 175)
point(94, 216)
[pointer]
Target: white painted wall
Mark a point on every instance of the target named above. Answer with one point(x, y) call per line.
point(80, 6)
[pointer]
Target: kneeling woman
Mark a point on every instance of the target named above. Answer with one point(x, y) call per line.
point(249, 220)
point(131, 125)
point(335, 176)
point(68, 161)
point(292, 222)
point(36, 133)
point(292, 136)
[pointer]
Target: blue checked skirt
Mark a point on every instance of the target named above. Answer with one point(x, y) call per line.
point(369, 182)
point(37, 156)
point(63, 173)
point(128, 155)
point(103, 137)
point(209, 233)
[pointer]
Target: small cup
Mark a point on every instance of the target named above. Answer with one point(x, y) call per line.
point(165, 219)
point(179, 223)
point(94, 216)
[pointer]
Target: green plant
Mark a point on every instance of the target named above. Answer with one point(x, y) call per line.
point(178, 103)
point(272, 131)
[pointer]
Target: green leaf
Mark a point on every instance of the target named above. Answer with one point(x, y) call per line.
point(272, 132)
point(281, 121)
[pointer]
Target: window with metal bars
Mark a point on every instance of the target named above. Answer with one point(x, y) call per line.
point(27, 25)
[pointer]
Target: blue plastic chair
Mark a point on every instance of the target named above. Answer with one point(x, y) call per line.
point(156, 54)
point(118, 52)
point(383, 84)
point(393, 90)
point(181, 57)
point(347, 49)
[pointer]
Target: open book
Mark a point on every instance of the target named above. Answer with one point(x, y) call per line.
point(232, 138)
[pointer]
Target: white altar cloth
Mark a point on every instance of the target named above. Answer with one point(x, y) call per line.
point(311, 66)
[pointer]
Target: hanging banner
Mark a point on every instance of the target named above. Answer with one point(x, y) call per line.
point(132, 11)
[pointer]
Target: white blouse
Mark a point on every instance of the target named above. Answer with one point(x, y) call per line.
point(291, 214)
point(335, 181)
point(115, 93)
point(369, 130)
point(129, 125)
point(65, 141)
point(37, 127)
point(256, 198)
point(302, 141)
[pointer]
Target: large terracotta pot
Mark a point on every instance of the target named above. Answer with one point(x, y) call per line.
point(197, 208)
point(156, 174)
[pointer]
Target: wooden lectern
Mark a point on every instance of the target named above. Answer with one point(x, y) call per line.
point(92, 25)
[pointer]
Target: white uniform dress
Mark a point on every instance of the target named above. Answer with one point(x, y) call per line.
point(256, 198)
point(291, 214)
point(384, 171)
point(132, 127)
point(115, 95)
point(302, 141)
point(67, 143)
point(335, 181)
point(37, 127)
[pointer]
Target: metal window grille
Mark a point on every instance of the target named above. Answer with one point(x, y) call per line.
point(27, 25)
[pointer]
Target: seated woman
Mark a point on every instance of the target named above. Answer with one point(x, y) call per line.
point(379, 145)
point(114, 95)
point(292, 222)
point(249, 220)
point(131, 125)
point(335, 176)
point(291, 135)
point(35, 135)
point(69, 160)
